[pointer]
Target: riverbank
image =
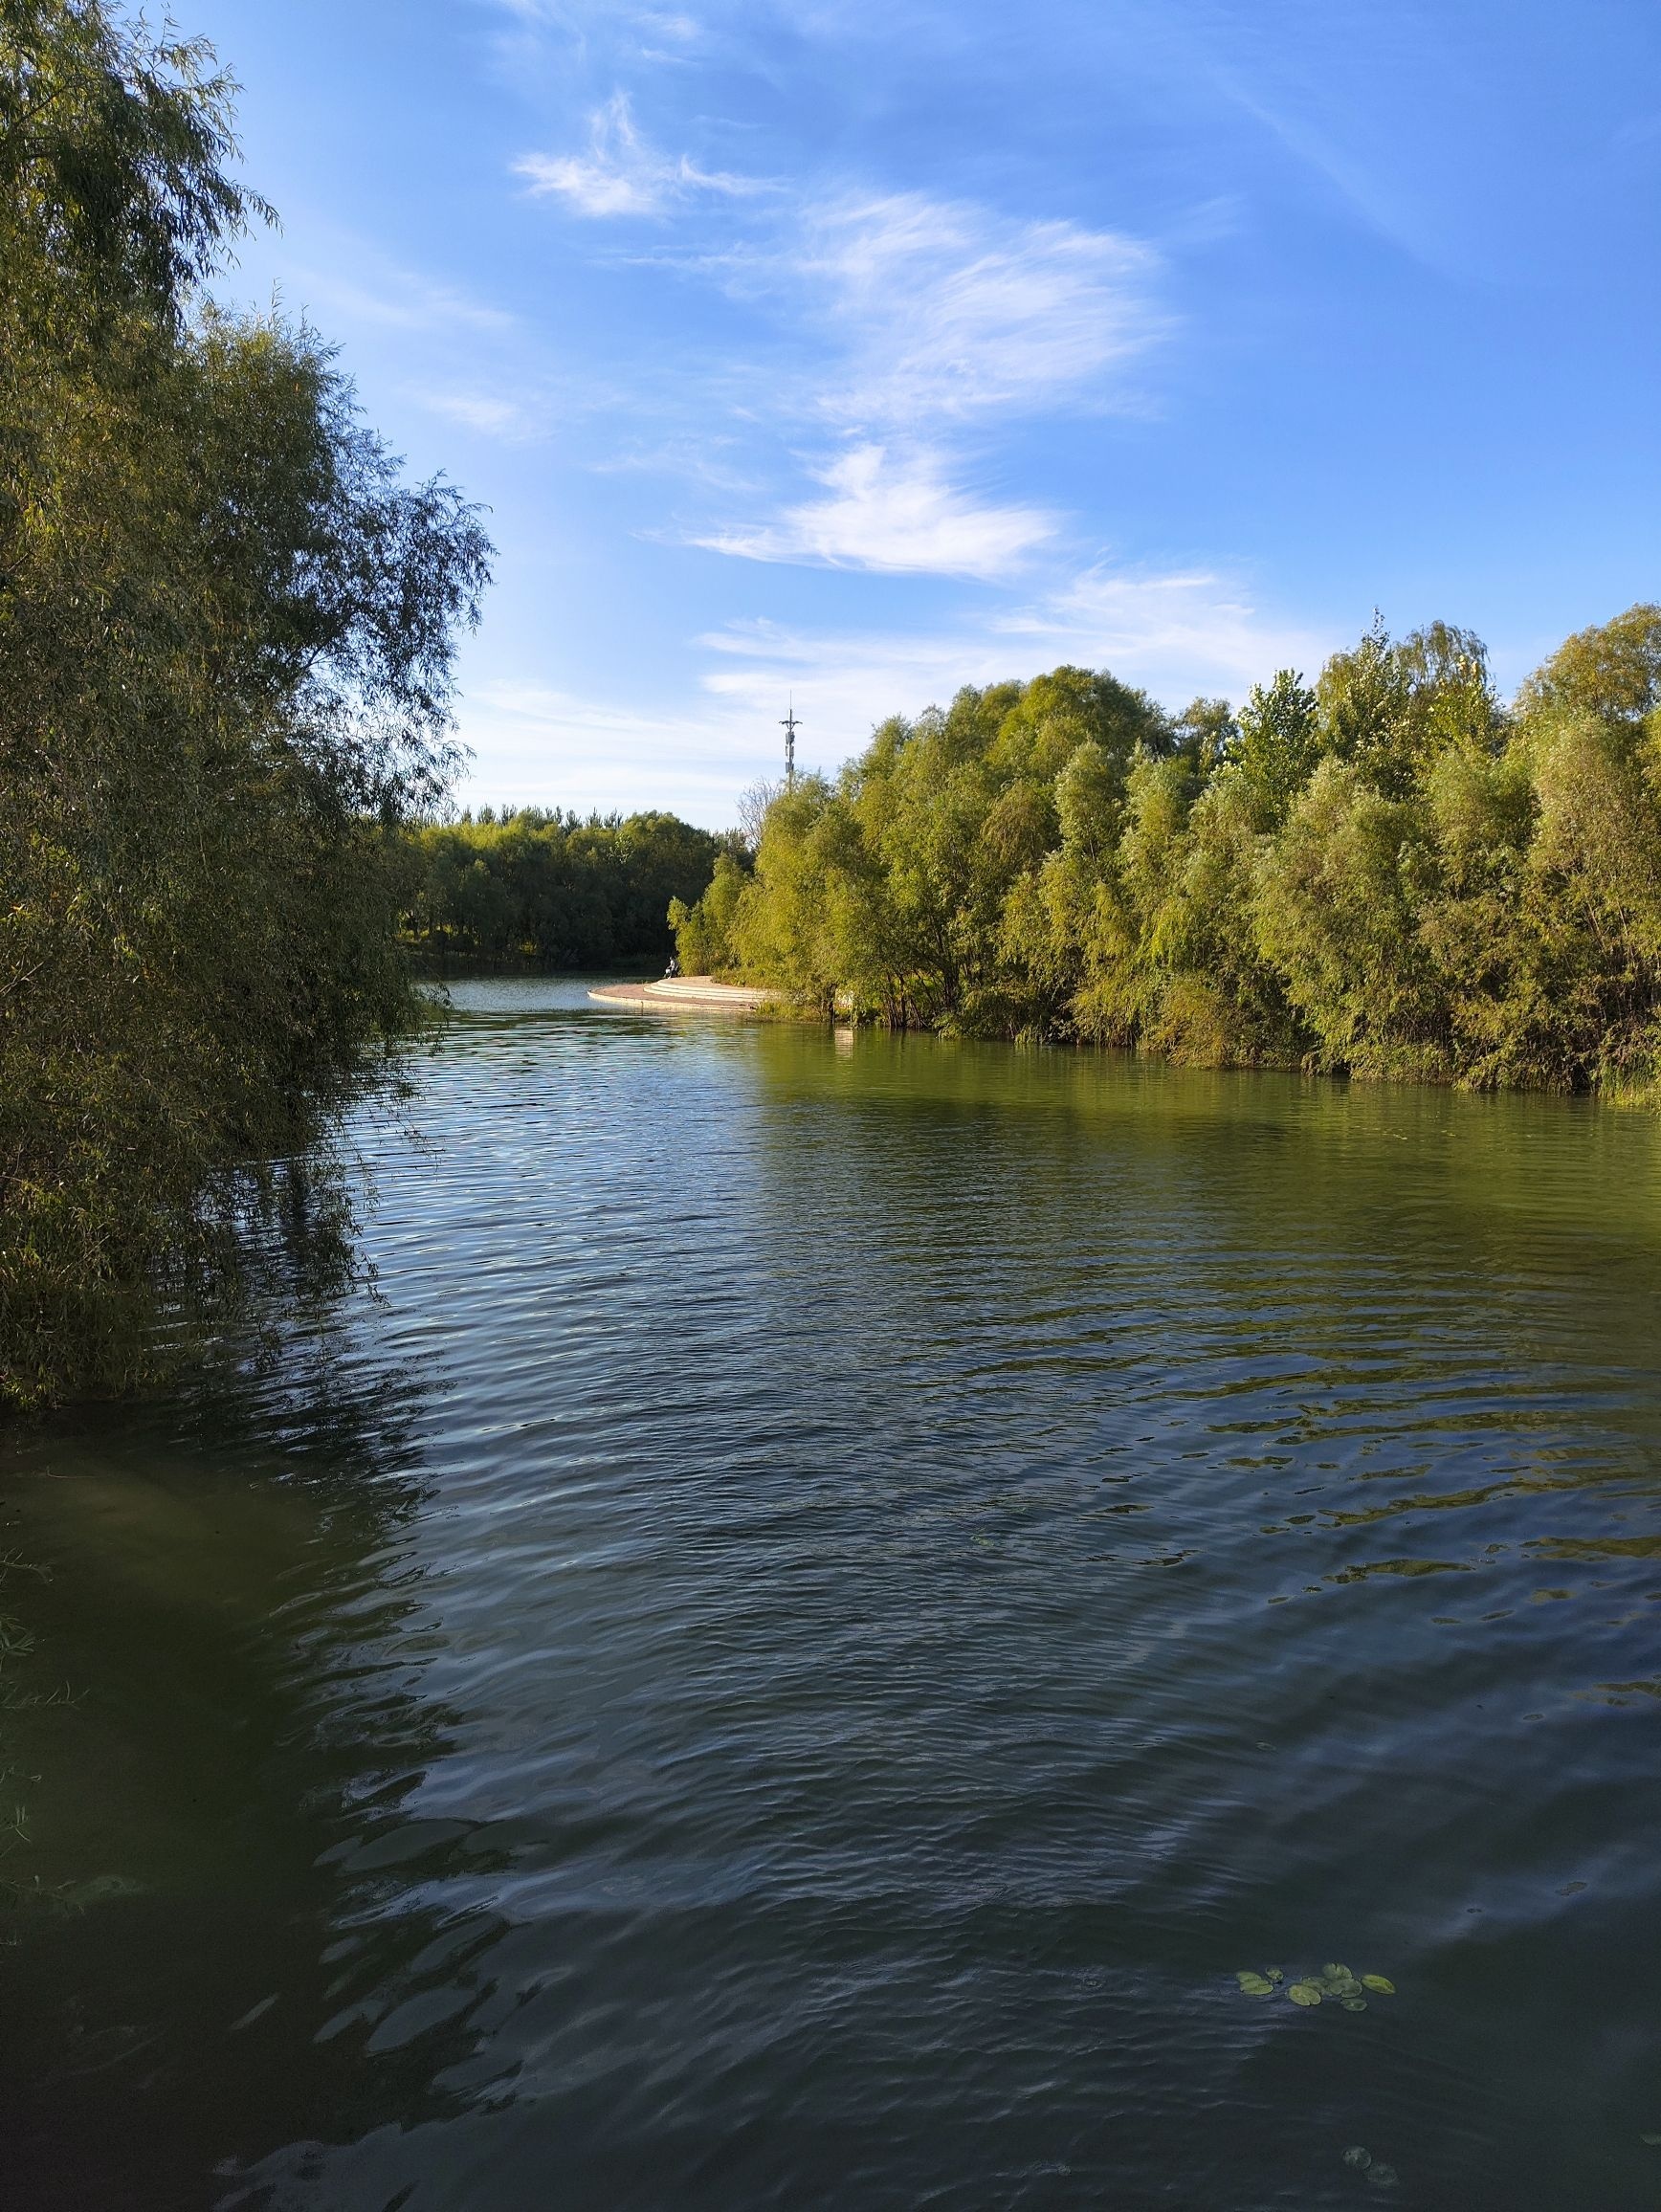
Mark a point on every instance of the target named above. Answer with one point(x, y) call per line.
point(672, 992)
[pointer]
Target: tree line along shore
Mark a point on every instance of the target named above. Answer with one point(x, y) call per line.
point(1391, 872)
point(532, 886)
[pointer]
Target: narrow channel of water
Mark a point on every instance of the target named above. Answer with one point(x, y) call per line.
point(839, 1591)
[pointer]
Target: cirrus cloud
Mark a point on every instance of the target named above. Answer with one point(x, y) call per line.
point(937, 318)
point(952, 310)
point(622, 174)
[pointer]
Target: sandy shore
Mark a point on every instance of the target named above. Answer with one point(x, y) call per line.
point(670, 991)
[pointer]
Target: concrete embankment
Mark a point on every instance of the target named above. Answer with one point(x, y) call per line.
point(670, 992)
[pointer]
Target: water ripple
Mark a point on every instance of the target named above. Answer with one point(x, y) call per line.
point(899, 1572)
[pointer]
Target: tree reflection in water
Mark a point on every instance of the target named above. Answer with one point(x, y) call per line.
point(222, 1928)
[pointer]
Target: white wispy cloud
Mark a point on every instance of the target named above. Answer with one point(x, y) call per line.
point(712, 462)
point(677, 27)
point(948, 310)
point(1180, 632)
point(1177, 634)
point(489, 414)
point(894, 514)
point(667, 37)
point(536, 745)
point(394, 299)
point(932, 320)
point(622, 174)
point(929, 319)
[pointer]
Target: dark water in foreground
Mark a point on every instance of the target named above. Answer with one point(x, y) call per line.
point(845, 1588)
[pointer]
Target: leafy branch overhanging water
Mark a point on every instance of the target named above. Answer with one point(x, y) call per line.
point(226, 625)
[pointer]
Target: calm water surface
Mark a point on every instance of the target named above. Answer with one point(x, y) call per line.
point(840, 1591)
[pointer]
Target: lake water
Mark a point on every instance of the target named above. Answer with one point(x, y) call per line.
point(840, 1589)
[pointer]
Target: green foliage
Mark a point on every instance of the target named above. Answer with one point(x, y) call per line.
point(1612, 672)
point(226, 629)
point(920, 887)
point(1390, 707)
point(551, 886)
point(796, 924)
point(1208, 732)
point(1338, 916)
point(1280, 745)
point(114, 200)
point(704, 941)
point(1389, 874)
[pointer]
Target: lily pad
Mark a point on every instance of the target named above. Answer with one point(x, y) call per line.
point(1336, 1972)
point(1378, 1982)
point(1651, 2140)
point(1380, 2175)
point(1304, 1993)
point(1355, 2156)
point(1354, 2003)
point(1254, 1984)
point(1274, 1974)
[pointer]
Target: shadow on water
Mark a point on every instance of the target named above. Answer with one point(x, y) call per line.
point(215, 1727)
point(843, 1591)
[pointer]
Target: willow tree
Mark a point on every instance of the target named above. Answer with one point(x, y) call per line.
point(226, 638)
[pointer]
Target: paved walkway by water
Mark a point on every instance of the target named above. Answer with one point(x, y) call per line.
point(670, 991)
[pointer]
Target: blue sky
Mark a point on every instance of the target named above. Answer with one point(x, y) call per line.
point(860, 350)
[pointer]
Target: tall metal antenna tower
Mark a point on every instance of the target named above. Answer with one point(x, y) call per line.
point(790, 726)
